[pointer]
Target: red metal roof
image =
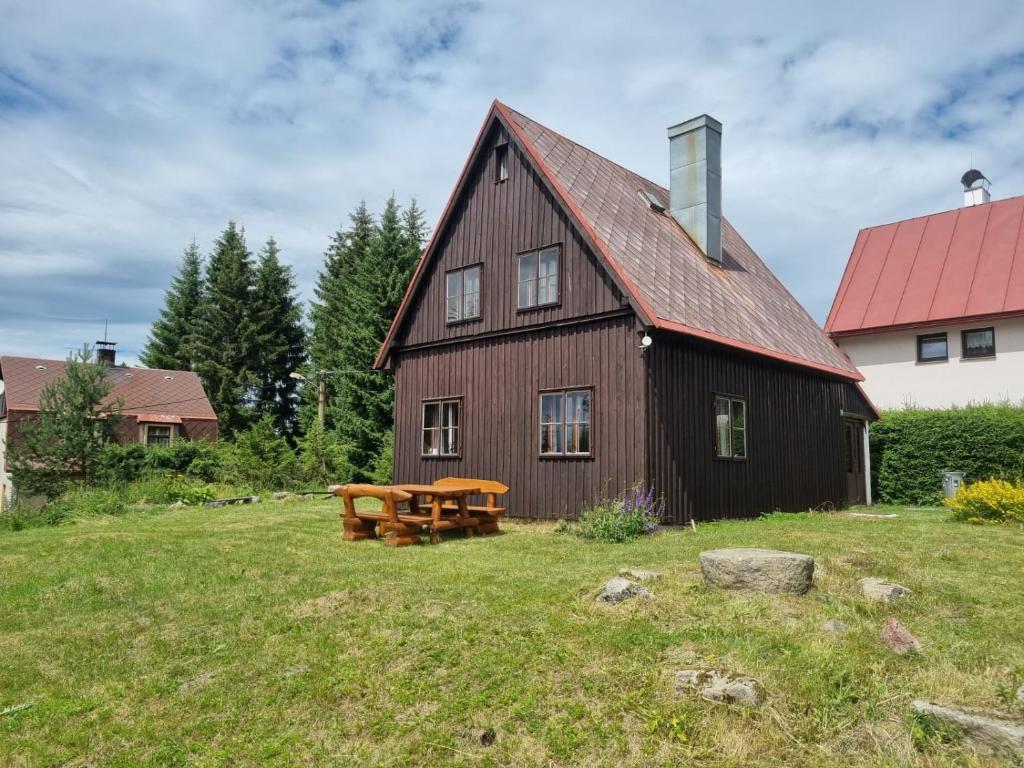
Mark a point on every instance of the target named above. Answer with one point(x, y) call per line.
point(946, 267)
point(669, 281)
point(144, 391)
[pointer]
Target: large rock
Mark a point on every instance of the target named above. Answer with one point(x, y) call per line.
point(987, 734)
point(618, 589)
point(876, 589)
point(767, 570)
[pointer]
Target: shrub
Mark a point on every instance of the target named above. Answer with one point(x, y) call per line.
point(259, 457)
point(911, 448)
point(322, 459)
point(989, 501)
point(384, 464)
point(129, 463)
point(636, 513)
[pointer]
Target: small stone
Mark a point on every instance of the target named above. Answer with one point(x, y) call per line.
point(283, 496)
point(987, 734)
point(1020, 694)
point(639, 574)
point(177, 505)
point(834, 625)
point(215, 504)
point(744, 691)
point(898, 637)
point(618, 589)
point(766, 570)
point(876, 589)
point(692, 680)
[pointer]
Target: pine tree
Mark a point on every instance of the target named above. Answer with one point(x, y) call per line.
point(280, 339)
point(366, 396)
point(170, 341)
point(75, 421)
point(226, 333)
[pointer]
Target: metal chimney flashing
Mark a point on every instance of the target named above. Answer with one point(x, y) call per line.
point(695, 182)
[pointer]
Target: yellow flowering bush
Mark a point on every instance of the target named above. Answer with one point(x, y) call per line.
point(989, 501)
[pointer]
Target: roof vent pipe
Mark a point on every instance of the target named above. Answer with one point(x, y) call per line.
point(976, 188)
point(695, 182)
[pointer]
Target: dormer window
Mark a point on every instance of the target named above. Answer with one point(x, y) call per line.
point(500, 163)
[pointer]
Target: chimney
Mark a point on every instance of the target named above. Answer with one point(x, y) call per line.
point(976, 188)
point(695, 182)
point(105, 353)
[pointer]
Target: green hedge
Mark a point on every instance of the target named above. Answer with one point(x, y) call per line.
point(910, 449)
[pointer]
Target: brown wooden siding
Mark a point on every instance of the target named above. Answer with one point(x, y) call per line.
point(499, 380)
point(794, 433)
point(491, 223)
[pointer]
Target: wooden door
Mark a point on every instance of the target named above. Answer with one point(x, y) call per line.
point(853, 445)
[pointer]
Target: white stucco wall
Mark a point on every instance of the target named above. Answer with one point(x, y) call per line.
point(893, 377)
point(5, 479)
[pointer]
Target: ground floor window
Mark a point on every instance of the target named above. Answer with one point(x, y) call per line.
point(159, 434)
point(730, 427)
point(441, 422)
point(565, 423)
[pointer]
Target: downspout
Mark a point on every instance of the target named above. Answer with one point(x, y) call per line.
point(867, 463)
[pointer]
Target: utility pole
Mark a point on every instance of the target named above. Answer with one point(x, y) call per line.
point(321, 396)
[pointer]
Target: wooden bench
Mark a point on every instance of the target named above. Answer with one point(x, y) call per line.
point(489, 513)
point(398, 527)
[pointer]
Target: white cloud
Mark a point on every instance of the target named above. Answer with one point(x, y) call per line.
point(129, 129)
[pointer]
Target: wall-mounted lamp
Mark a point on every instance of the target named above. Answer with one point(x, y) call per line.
point(645, 342)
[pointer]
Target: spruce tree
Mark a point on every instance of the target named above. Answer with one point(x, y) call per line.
point(227, 334)
point(336, 288)
point(366, 396)
point(281, 339)
point(76, 419)
point(171, 338)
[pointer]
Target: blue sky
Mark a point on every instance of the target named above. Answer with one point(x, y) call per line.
point(128, 128)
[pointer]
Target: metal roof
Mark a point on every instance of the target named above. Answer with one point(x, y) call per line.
point(144, 391)
point(967, 263)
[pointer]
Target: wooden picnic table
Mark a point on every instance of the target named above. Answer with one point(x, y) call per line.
point(437, 496)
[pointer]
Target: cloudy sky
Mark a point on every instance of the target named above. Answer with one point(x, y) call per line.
point(129, 128)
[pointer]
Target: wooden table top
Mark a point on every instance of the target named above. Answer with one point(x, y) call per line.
point(438, 490)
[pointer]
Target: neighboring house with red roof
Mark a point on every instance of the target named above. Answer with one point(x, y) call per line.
point(573, 328)
point(931, 309)
point(159, 406)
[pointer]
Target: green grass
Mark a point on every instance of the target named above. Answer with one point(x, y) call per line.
point(253, 636)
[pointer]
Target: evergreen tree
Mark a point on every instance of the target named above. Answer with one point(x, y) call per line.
point(64, 442)
point(335, 290)
point(379, 280)
point(281, 339)
point(227, 334)
point(170, 341)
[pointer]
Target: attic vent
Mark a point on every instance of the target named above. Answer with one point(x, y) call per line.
point(650, 200)
point(168, 378)
point(128, 375)
point(40, 367)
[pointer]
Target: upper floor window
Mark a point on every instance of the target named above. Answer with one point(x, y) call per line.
point(565, 423)
point(462, 294)
point(932, 347)
point(441, 427)
point(500, 163)
point(978, 342)
point(538, 278)
point(730, 427)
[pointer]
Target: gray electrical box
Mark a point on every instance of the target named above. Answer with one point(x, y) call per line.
point(951, 482)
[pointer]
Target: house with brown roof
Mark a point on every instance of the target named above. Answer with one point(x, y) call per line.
point(574, 328)
point(931, 309)
point(159, 406)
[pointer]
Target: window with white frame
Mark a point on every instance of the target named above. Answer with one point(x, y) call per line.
point(462, 294)
point(565, 423)
point(441, 423)
point(159, 434)
point(730, 427)
point(538, 278)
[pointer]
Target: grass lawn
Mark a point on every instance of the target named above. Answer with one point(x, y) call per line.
point(253, 636)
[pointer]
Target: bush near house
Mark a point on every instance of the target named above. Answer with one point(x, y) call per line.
point(990, 501)
point(911, 448)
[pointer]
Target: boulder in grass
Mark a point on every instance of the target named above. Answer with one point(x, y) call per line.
point(898, 637)
point(765, 570)
point(639, 574)
point(719, 687)
point(617, 589)
point(886, 592)
point(994, 736)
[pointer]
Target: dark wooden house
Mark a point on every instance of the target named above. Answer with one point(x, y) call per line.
point(573, 329)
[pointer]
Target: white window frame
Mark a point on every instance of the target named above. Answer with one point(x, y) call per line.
point(534, 279)
point(461, 298)
point(731, 428)
point(564, 424)
point(454, 430)
point(144, 432)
